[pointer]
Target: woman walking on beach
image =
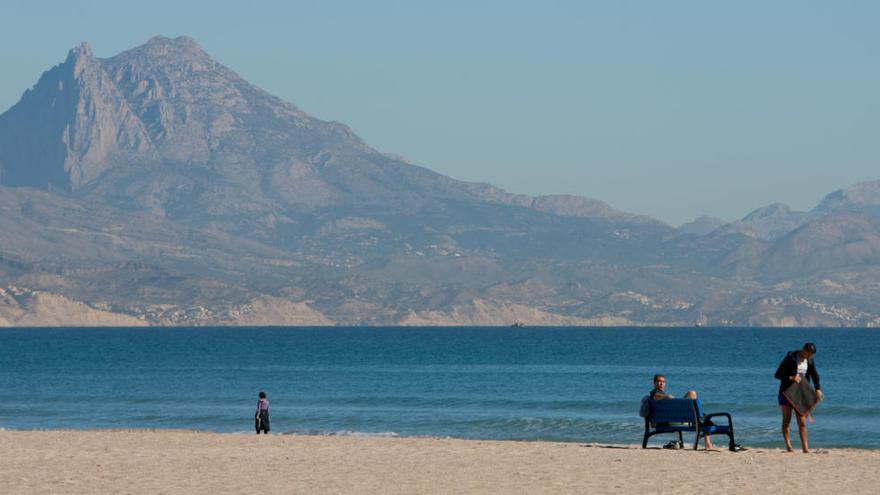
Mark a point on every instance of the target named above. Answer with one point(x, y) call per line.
point(261, 419)
point(795, 367)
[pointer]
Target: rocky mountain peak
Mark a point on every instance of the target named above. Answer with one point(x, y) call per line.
point(769, 211)
point(863, 197)
point(769, 222)
point(167, 103)
point(80, 62)
point(222, 144)
point(159, 50)
point(71, 127)
point(184, 42)
point(83, 50)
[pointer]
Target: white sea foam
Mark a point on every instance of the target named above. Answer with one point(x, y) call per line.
point(343, 433)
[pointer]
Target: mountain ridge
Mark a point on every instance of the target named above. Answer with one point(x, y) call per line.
point(159, 184)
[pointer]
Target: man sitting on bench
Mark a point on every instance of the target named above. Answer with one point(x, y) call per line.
point(659, 393)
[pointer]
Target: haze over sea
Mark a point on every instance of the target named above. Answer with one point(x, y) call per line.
point(561, 384)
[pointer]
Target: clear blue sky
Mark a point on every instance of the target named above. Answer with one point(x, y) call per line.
point(669, 108)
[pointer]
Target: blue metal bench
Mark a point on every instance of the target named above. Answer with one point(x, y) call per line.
point(680, 415)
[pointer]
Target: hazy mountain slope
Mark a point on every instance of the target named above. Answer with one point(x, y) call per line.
point(769, 222)
point(863, 197)
point(833, 245)
point(701, 226)
point(159, 184)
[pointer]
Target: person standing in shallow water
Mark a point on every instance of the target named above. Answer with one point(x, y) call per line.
point(261, 418)
point(796, 366)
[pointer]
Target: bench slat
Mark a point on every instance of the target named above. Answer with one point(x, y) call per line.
point(673, 411)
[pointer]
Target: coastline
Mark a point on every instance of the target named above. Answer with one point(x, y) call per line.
point(185, 461)
point(22, 307)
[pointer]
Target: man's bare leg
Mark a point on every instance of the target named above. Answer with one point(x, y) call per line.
point(786, 423)
point(802, 430)
point(692, 394)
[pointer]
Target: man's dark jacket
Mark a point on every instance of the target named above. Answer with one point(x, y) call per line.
point(788, 367)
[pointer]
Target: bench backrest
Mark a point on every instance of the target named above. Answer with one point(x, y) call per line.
point(673, 411)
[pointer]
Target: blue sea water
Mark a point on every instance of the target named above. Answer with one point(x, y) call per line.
point(562, 384)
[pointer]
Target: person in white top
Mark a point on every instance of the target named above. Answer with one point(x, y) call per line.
point(796, 366)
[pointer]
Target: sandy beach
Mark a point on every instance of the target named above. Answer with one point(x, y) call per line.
point(153, 462)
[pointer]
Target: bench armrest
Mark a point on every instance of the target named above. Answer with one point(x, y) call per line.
point(709, 416)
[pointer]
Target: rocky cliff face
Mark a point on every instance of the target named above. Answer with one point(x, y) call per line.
point(159, 185)
point(70, 128)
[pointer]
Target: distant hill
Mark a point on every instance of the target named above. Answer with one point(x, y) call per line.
point(769, 222)
point(701, 226)
point(859, 198)
point(158, 185)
